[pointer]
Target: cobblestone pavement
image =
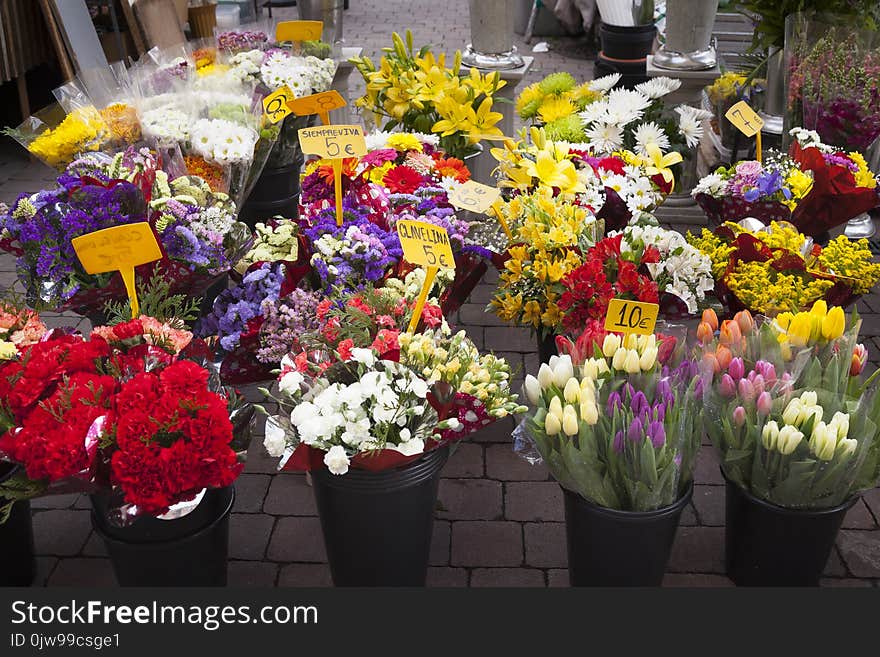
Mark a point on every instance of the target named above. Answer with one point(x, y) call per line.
point(499, 520)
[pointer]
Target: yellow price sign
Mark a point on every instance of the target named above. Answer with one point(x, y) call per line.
point(625, 316)
point(425, 244)
point(120, 248)
point(332, 141)
point(299, 31)
point(277, 104)
point(474, 196)
point(321, 104)
point(745, 119)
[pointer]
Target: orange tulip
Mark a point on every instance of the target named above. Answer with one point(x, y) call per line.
point(705, 333)
point(710, 318)
point(745, 321)
point(723, 356)
point(730, 333)
point(710, 359)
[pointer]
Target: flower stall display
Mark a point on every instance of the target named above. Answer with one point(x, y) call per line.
point(131, 417)
point(195, 227)
point(370, 411)
point(418, 92)
point(728, 89)
point(796, 425)
point(776, 268)
point(619, 430)
point(555, 103)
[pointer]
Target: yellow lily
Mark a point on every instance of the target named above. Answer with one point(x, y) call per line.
point(658, 163)
point(551, 173)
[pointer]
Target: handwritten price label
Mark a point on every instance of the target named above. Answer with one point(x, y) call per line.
point(474, 196)
point(626, 316)
point(277, 105)
point(120, 248)
point(320, 104)
point(425, 244)
point(332, 141)
point(745, 119)
point(299, 31)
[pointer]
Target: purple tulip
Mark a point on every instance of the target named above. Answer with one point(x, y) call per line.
point(657, 434)
point(746, 390)
point(767, 370)
point(759, 384)
point(618, 442)
point(736, 369)
point(635, 432)
point(660, 412)
point(614, 402)
point(764, 404)
point(663, 390)
point(639, 403)
point(698, 389)
point(739, 416)
point(727, 387)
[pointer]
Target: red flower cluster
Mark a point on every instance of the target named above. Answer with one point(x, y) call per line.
point(604, 275)
point(403, 180)
point(172, 438)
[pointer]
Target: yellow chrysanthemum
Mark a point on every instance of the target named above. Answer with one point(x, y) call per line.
point(403, 141)
point(554, 107)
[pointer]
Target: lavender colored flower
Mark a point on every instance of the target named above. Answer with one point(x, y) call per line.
point(284, 321)
point(618, 442)
point(614, 402)
point(657, 434)
point(635, 431)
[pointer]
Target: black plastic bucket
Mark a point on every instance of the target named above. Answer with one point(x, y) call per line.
point(547, 348)
point(627, 43)
point(276, 192)
point(187, 551)
point(619, 548)
point(631, 72)
point(18, 565)
point(377, 525)
point(769, 545)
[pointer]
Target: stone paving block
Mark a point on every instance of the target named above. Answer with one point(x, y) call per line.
point(61, 532)
point(688, 516)
point(447, 577)
point(91, 573)
point(872, 499)
point(835, 566)
point(861, 552)
point(248, 535)
point(95, 546)
point(252, 574)
point(258, 460)
point(504, 464)
point(496, 543)
point(709, 503)
point(56, 501)
point(250, 490)
point(297, 539)
point(441, 537)
point(507, 577)
point(305, 575)
point(695, 580)
point(557, 578)
point(708, 467)
point(511, 338)
point(469, 499)
point(697, 550)
point(290, 495)
point(859, 517)
point(465, 461)
point(476, 314)
point(45, 566)
point(533, 500)
point(497, 432)
point(545, 544)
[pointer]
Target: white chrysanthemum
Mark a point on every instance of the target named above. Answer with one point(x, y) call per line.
point(605, 83)
point(628, 100)
point(376, 140)
point(605, 137)
point(594, 112)
point(647, 134)
point(659, 87)
point(713, 185)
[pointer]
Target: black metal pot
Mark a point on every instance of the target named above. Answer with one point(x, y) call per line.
point(770, 545)
point(627, 42)
point(188, 551)
point(607, 547)
point(18, 566)
point(377, 525)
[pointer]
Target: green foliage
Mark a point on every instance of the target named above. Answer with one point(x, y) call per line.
point(15, 489)
point(156, 300)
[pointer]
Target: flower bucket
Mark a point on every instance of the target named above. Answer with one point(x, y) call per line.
point(187, 551)
point(547, 348)
point(377, 525)
point(17, 540)
point(769, 545)
point(607, 547)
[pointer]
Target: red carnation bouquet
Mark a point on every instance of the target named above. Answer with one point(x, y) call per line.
point(132, 412)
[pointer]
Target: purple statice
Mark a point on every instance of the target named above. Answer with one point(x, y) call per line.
point(348, 256)
point(284, 321)
point(241, 40)
point(237, 306)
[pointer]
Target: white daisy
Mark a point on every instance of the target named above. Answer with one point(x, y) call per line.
point(650, 133)
point(594, 112)
point(659, 87)
point(604, 137)
point(606, 83)
point(628, 100)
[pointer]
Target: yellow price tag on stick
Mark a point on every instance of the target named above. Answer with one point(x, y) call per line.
point(120, 248)
point(474, 196)
point(625, 316)
point(426, 245)
point(321, 104)
point(747, 121)
point(277, 104)
point(334, 142)
point(299, 31)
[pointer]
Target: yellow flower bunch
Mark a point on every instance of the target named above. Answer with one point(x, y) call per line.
point(799, 183)
point(418, 92)
point(851, 260)
point(726, 86)
point(554, 102)
point(543, 163)
point(714, 247)
point(81, 130)
point(122, 121)
point(864, 176)
point(552, 234)
point(457, 361)
point(817, 325)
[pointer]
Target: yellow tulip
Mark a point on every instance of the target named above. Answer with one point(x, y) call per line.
point(820, 308)
point(833, 323)
point(800, 329)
